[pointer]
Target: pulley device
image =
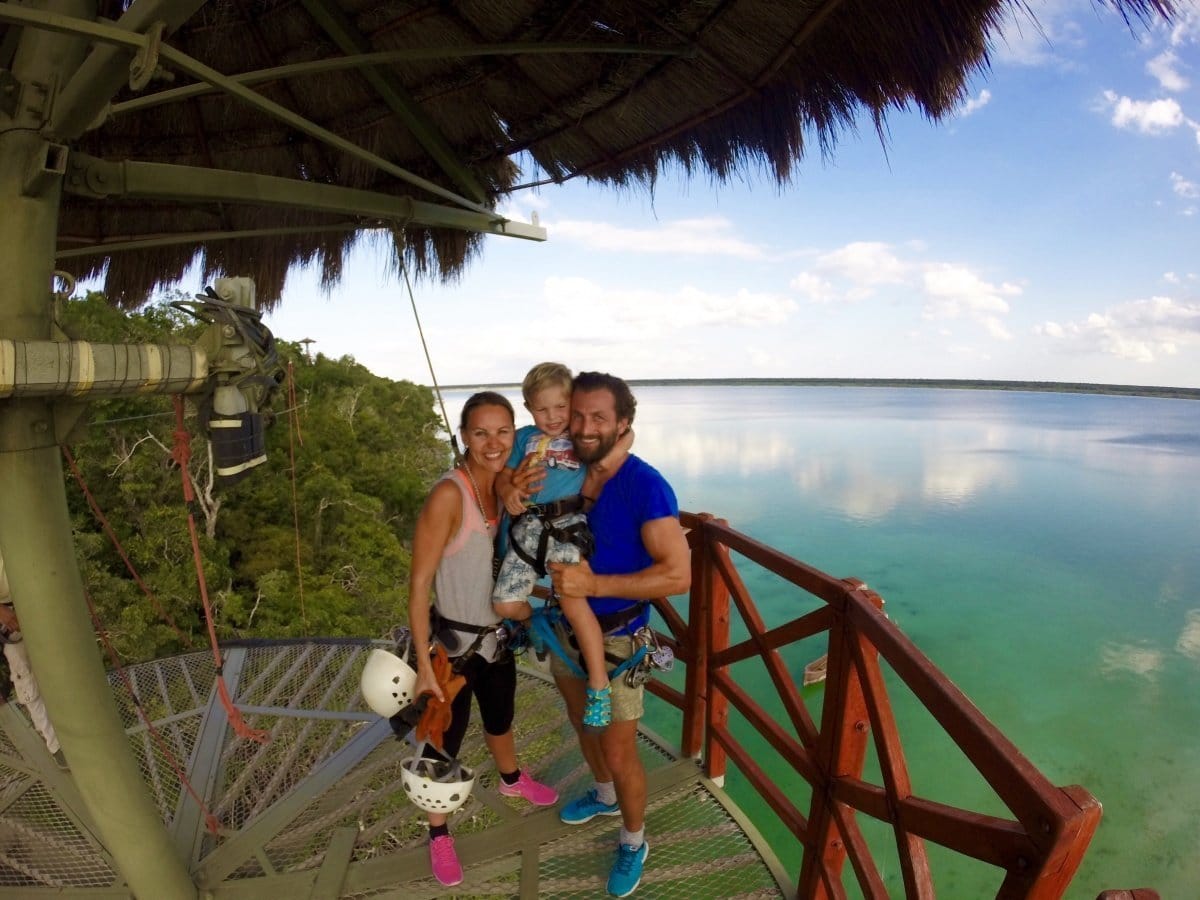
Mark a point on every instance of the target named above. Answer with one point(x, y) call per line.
point(244, 373)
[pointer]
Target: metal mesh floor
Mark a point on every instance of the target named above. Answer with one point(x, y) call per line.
point(319, 810)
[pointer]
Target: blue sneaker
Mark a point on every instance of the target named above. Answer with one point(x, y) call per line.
point(585, 808)
point(626, 872)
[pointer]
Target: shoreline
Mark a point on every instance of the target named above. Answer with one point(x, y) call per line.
point(1054, 387)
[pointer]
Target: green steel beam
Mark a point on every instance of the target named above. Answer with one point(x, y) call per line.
point(12, 13)
point(391, 57)
point(93, 177)
point(35, 529)
point(338, 26)
point(58, 783)
point(332, 873)
point(195, 237)
point(204, 766)
point(236, 849)
point(106, 70)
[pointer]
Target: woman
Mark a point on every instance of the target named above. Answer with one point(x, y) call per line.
point(452, 557)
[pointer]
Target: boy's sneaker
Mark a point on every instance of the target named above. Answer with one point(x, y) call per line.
point(444, 861)
point(597, 714)
point(585, 808)
point(626, 872)
point(534, 791)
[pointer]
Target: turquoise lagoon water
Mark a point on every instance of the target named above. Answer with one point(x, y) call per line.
point(1043, 550)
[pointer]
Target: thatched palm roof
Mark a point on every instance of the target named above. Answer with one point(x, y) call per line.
point(484, 97)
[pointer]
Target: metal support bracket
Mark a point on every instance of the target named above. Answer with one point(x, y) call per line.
point(145, 61)
point(45, 169)
point(10, 93)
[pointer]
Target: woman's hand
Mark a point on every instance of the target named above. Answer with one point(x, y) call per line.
point(427, 683)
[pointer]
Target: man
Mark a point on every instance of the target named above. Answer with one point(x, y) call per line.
point(641, 553)
point(24, 684)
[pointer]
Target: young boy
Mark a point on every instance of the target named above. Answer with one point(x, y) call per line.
point(555, 507)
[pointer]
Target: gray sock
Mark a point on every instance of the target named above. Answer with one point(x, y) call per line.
point(606, 792)
point(633, 838)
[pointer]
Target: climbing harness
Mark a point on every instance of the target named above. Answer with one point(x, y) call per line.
point(648, 653)
point(551, 516)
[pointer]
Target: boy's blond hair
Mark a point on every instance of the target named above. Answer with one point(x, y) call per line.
point(542, 376)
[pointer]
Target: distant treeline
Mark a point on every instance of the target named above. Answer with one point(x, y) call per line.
point(964, 384)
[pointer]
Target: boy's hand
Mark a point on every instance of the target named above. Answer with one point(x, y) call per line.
point(613, 459)
point(510, 491)
point(526, 481)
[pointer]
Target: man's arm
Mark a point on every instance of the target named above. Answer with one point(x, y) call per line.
point(669, 573)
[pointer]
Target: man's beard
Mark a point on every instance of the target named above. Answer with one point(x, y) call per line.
point(593, 453)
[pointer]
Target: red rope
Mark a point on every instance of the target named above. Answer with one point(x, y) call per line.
point(181, 453)
point(100, 517)
point(210, 821)
point(294, 423)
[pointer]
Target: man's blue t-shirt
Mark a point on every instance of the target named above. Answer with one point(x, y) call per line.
point(637, 494)
point(564, 472)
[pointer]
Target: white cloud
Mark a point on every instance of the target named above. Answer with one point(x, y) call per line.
point(1186, 29)
point(815, 288)
point(950, 290)
point(1184, 188)
point(1048, 39)
point(1146, 116)
point(1141, 330)
point(1165, 68)
point(865, 264)
point(953, 291)
point(649, 313)
point(706, 236)
point(974, 104)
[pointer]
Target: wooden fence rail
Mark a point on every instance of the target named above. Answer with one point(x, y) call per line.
point(1037, 850)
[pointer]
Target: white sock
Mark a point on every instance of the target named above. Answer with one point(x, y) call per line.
point(633, 838)
point(606, 792)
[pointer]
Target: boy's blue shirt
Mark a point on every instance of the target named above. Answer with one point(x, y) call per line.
point(564, 473)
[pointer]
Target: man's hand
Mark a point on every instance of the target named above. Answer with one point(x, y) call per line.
point(573, 579)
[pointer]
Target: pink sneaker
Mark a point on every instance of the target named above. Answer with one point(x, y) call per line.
point(534, 791)
point(446, 867)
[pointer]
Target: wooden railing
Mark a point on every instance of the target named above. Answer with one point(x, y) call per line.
point(1038, 850)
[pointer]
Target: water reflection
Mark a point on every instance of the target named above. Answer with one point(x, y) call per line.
point(1129, 658)
point(1189, 639)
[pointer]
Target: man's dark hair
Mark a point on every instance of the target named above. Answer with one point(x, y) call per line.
point(625, 402)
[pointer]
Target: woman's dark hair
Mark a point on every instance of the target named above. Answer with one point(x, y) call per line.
point(623, 400)
point(484, 398)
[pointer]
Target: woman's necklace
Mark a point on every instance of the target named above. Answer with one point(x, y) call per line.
point(478, 493)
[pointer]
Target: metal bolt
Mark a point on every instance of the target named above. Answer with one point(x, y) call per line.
point(860, 727)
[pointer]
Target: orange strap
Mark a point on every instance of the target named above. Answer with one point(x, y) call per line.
point(436, 718)
point(182, 452)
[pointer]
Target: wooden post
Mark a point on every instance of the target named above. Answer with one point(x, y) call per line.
point(841, 751)
point(717, 707)
point(695, 647)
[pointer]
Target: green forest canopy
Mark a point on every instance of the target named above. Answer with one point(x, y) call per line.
point(335, 563)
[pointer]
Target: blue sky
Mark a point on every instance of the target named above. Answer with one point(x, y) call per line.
point(1049, 231)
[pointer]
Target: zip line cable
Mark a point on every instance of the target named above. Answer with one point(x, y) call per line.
point(436, 388)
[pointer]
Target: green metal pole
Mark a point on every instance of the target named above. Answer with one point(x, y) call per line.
point(35, 533)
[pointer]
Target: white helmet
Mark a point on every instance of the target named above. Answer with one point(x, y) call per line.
point(436, 785)
point(387, 682)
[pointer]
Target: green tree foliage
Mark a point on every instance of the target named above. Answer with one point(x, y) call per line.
point(323, 553)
